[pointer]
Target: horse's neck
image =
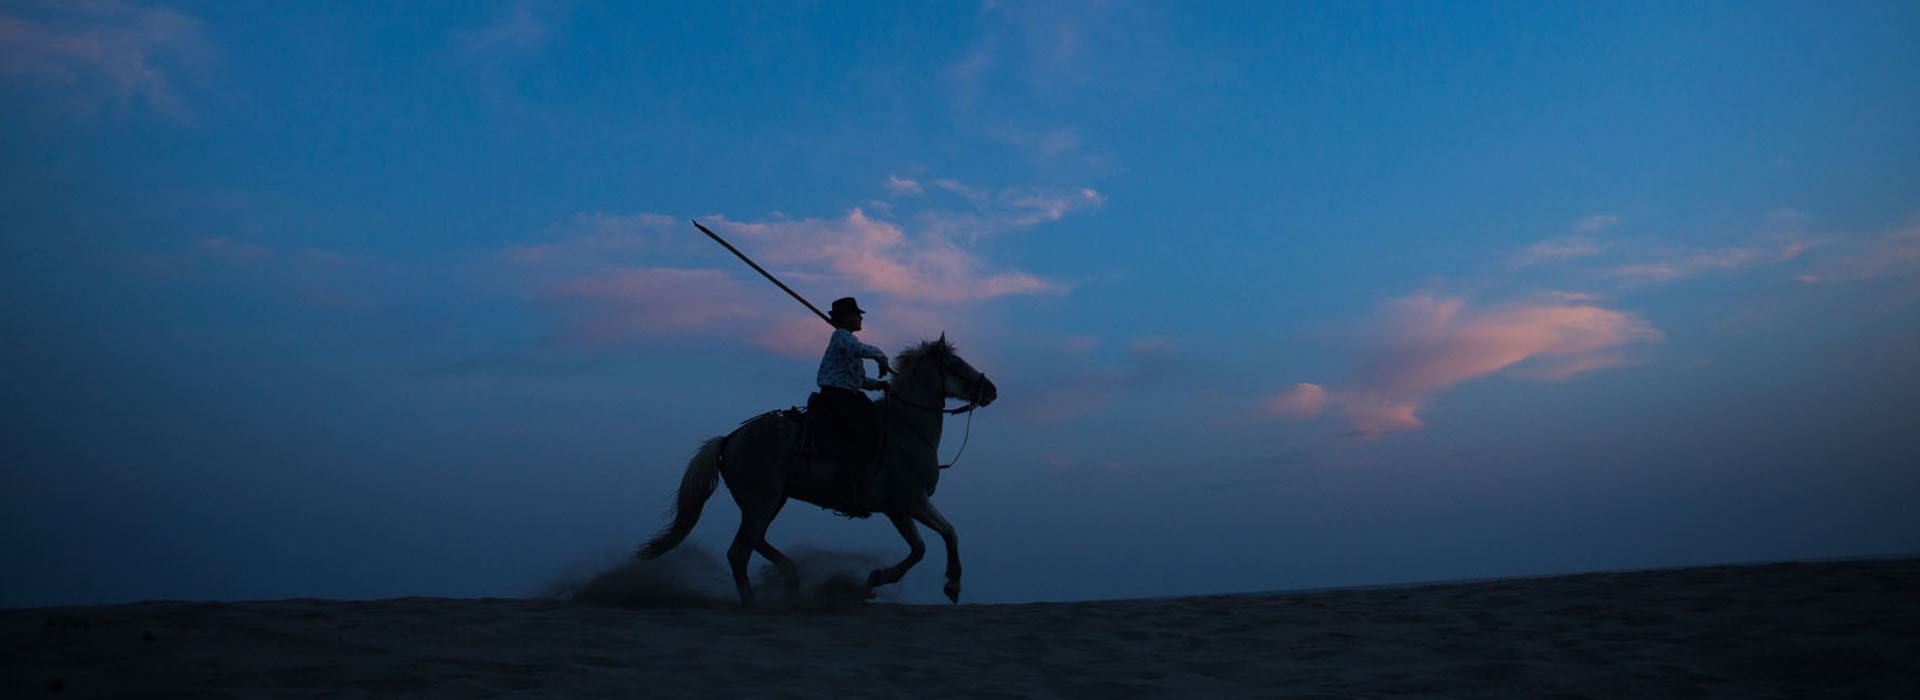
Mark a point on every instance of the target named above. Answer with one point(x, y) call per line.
point(919, 403)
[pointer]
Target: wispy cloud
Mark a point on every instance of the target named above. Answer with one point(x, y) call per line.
point(1893, 256)
point(1011, 209)
point(1895, 253)
point(1580, 243)
point(648, 275)
point(1557, 249)
point(1595, 223)
point(496, 55)
point(1424, 345)
point(94, 53)
point(1690, 263)
point(1029, 59)
point(900, 185)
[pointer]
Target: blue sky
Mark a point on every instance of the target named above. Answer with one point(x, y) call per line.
point(341, 301)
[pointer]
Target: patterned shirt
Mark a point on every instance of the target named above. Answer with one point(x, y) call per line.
point(841, 366)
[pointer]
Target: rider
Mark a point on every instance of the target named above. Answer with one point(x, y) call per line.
point(843, 379)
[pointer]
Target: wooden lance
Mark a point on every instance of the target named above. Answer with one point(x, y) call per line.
point(770, 278)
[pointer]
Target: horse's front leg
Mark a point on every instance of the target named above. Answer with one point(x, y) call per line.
point(916, 550)
point(931, 517)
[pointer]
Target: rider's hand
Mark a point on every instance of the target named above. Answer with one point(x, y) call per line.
point(882, 385)
point(884, 369)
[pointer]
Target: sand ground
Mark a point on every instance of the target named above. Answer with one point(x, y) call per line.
point(1830, 629)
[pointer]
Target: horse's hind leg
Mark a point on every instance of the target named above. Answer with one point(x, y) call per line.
point(916, 550)
point(755, 515)
point(788, 571)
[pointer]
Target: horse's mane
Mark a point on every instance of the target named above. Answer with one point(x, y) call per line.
point(903, 363)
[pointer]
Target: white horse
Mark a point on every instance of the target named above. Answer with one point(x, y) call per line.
point(761, 464)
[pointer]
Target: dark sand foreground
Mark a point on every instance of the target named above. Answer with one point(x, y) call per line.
point(1843, 629)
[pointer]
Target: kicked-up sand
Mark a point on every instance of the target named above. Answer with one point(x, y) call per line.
point(1827, 629)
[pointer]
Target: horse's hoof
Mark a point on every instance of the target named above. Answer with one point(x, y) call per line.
point(874, 578)
point(953, 591)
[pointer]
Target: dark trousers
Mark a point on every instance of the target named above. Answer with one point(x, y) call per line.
point(850, 423)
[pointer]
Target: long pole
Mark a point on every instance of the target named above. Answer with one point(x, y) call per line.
point(756, 266)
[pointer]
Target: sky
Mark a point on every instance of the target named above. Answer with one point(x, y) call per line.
point(350, 301)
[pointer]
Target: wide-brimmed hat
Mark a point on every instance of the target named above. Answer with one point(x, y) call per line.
point(846, 305)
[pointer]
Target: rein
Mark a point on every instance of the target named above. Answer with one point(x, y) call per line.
point(979, 387)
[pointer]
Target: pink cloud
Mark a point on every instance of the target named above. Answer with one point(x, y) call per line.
point(1301, 401)
point(1426, 345)
point(879, 256)
point(608, 273)
point(796, 335)
point(1374, 416)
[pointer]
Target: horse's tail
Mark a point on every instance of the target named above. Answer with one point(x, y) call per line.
point(702, 477)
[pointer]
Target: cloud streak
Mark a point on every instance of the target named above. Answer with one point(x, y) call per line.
point(1580, 244)
point(1687, 264)
point(1424, 345)
point(903, 186)
point(991, 213)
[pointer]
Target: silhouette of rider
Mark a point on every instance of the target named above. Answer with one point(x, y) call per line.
point(843, 382)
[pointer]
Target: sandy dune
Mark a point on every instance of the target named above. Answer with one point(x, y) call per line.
point(1849, 629)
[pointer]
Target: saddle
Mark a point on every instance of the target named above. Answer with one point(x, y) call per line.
point(823, 439)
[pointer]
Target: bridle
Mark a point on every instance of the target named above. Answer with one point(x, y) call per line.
point(979, 388)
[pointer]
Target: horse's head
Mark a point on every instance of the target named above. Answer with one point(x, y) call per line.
point(959, 380)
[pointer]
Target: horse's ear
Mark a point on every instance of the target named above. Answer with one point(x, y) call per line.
point(943, 337)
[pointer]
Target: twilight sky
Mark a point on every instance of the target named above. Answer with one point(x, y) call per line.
point(335, 300)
